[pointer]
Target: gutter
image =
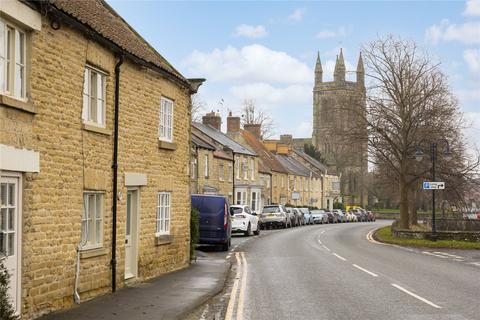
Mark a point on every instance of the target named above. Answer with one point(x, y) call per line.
point(113, 262)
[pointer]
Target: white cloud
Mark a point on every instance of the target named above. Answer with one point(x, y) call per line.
point(304, 129)
point(324, 34)
point(468, 33)
point(297, 14)
point(248, 31)
point(472, 58)
point(270, 97)
point(472, 8)
point(252, 63)
point(329, 67)
point(466, 96)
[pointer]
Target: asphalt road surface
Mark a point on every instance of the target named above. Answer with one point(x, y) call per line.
point(333, 272)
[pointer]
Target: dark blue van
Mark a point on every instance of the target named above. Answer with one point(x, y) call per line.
point(215, 222)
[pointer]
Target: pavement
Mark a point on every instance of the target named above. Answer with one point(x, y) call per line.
point(170, 296)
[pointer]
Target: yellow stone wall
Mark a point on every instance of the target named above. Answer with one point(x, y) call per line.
point(225, 185)
point(73, 160)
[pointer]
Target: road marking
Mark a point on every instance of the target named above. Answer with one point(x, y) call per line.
point(416, 296)
point(319, 241)
point(324, 247)
point(475, 263)
point(241, 297)
point(233, 294)
point(228, 256)
point(365, 270)
point(339, 257)
point(435, 255)
point(449, 255)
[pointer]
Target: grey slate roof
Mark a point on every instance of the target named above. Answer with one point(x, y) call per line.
point(293, 166)
point(223, 139)
point(314, 162)
point(201, 143)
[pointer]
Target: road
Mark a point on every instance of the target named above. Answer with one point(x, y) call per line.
point(333, 272)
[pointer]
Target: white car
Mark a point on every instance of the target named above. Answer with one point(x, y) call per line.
point(244, 220)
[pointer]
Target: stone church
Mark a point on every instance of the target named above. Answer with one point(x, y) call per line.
point(338, 132)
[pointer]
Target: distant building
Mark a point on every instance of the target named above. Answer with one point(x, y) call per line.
point(337, 108)
point(247, 183)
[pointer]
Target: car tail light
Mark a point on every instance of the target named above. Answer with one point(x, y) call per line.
point(225, 218)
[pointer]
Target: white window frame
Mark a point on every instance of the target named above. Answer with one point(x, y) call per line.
point(254, 200)
point(165, 128)
point(164, 213)
point(12, 57)
point(252, 169)
point(230, 172)
point(94, 220)
point(193, 168)
point(245, 169)
point(99, 118)
point(221, 172)
point(238, 168)
point(206, 169)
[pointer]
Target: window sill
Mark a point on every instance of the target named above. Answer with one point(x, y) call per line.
point(11, 102)
point(92, 128)
point(163, 239)
point(91, 253)
point(167, 145)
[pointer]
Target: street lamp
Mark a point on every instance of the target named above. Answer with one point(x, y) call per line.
point(447, 155)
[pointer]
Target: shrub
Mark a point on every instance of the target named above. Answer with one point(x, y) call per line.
point(6, 310)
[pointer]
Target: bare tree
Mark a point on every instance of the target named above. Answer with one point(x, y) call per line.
point(251, 114)
point(198, 108)
point(408, 104)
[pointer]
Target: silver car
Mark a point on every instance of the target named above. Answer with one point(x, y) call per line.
point(319, 216)
point(274, 216)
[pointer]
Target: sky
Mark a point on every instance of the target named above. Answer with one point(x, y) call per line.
point(266, 50)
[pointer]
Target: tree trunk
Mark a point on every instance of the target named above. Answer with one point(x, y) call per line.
point(413, 206)
point(404, 220)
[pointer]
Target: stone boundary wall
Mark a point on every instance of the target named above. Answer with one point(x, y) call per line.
point(441, 235)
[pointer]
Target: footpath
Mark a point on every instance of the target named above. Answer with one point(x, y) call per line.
point(171, 296)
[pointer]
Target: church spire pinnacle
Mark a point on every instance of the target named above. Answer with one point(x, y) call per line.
point(318, 70)
point(360, 71)
point(339, 73)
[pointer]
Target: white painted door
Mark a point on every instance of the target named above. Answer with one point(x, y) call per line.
point(10, 234)
point(131, 234)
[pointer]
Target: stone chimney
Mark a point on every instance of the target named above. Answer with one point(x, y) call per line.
point(286, 139)
point(254, 129)
point(213, 119)
point(233, 123)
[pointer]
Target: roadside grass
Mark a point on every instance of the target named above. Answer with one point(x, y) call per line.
point(397, 211)
point(385, 235)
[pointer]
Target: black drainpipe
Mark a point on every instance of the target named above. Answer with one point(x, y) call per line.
point(113, 262)
point(233, 178)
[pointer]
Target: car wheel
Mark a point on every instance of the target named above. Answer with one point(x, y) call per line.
point(257, 232)
point(248, 233)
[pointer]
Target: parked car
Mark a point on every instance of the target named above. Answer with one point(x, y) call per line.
point(332, 218)
point(371, 216)
point(361, 214)
point(274, 216)
point(244, 220)
point(319, 216)
point(350, 216)
point(340, 216)
point(300, 217)
point(214, 221)
point(306, 215)
point(291, 217)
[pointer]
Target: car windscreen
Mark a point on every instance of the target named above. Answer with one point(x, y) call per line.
point(270, 210)
point(235, 210)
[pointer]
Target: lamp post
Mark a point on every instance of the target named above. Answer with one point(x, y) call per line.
point(447, 155)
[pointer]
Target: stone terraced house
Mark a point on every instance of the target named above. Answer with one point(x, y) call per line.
point(94, 133)
point(247, 184)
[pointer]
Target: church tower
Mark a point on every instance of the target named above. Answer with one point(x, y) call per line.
point(337, 109)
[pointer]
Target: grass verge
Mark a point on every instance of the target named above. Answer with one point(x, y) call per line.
point(385, 235)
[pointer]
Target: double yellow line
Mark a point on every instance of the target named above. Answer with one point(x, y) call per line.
point(240, 280)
